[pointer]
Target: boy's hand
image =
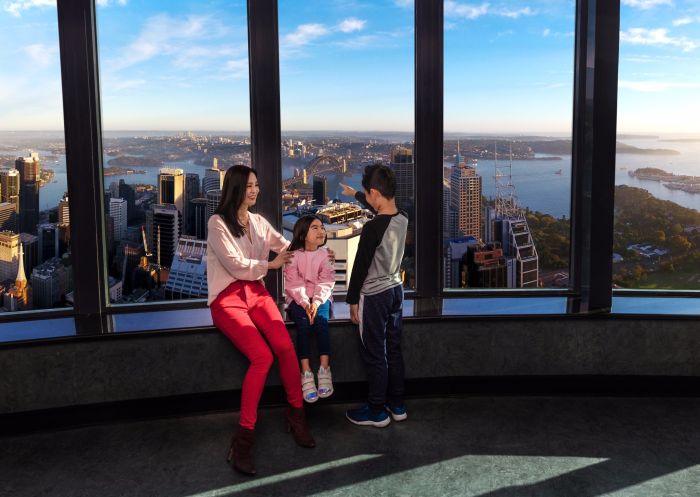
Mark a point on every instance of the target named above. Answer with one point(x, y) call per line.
point(355, 313)
point(348, 191)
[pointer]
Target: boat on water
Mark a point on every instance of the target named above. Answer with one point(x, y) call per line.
point(558, 171)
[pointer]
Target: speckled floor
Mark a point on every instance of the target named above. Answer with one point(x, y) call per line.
point(466, 446)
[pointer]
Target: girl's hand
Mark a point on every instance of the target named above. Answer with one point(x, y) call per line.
point(282, 258)
point(348, 190)
point(311, 310)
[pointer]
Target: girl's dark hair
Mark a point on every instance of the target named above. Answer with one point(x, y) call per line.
point(232, 195)
point(301, 229)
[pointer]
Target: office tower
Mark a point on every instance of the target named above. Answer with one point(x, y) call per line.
point(29, 173)
point(63, 210)
point(213, 200)
point(402, 164)
point(320, 189)
point(115, 290)
point(213, 179)
point(165, 231)
point(9, 255)
point(30, 244)
point(198, 218)
point(113, 189)
point(49, 281)
point(455, 275)
point(191, 192)
point(8, 217)
point(519, 247)
point(188, 272)
point(10, 187)
point(465, 201)
point(48, 241)
point(126, 191)
point(171, 188)
point(126, 259)
point(446, 222)
point(487, 267)
point(119, 212)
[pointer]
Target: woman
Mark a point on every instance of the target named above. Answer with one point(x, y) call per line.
point(238, 245)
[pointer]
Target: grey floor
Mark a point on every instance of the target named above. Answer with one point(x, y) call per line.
point(470, 446)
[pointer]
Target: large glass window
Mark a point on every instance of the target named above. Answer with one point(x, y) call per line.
point(657, 176)
point(175, 110)
point(35, 256)
point(507, 148)
point(347, 101)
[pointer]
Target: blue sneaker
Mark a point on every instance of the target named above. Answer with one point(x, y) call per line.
point(365, 417)
point(398, 412)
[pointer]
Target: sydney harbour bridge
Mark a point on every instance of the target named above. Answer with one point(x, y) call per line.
point(319, 165)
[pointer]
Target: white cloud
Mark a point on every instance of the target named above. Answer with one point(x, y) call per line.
point(41, 54)
point(514, 14)
point(403, 3)
point(646, 4)
point(17, 6)
point(105, 3)
point(125, 84)
point(305, 34)
point(466, 11)
point(656, 37)
point(351, 24)
point(655, 86)
point(546, 32)
point(236, 68)
point(682, 21)
point(359, 41)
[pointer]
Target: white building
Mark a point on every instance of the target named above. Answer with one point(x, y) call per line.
point(118, 211)
point(188, 272)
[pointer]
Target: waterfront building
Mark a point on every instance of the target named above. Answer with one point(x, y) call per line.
point(320, 190)
point(171, 188)
point(465, 200)
point(188, 272)
point(213, 178)
point(10, 188)
point(29, 173)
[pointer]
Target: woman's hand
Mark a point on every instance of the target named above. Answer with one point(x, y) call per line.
point(348, 190)
point(282, 258)
point(331, 255)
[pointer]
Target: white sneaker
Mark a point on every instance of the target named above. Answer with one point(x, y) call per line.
point(308, 387)
point(325, 382)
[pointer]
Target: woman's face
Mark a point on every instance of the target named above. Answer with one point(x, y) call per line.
point(251, 191)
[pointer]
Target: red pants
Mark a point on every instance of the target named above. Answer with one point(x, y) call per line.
point(245, 312)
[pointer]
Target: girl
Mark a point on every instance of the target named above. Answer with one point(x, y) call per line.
point(238, 245)
point(308, 285)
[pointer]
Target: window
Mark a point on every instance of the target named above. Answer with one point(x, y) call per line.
point(175, 110)
point(347, 101)
point(35, 255)
point(507, 144)
point(657, 192)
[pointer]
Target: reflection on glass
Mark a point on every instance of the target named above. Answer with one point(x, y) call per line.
point(174, 82)
point(347, 93)
point(657, 175)
point(35, 256)
point(33, 330)
point(507, 148)
point(162, 320)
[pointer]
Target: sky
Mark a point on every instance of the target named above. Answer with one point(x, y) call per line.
point(348, 65)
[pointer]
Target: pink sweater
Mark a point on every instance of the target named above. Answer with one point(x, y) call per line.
point(309, 278)
point(230, 259)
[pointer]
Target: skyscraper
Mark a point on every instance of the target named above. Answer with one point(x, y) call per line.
point(213, 179)
point(8, 217)
point(402, 164)
point(10, 187)
point(198, 218)
point(9, 255)
point(165, 232)
point(63, 210)
point(320, 189)
point(191, 192)
point(48, 241)
point(126, 191)
point(465, 200)
point(29, 173)
point(50, 281)
point(213, 200)
point(171, 188)
point(119, 211)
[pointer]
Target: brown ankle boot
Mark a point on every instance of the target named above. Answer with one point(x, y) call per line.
point(242, 451)
point(296, 423)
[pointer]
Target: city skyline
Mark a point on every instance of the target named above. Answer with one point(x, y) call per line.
point(333, 58)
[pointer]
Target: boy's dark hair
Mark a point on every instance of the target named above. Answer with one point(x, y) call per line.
point(301, 229)
point(381, 178)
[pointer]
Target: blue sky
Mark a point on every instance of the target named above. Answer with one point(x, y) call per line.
point(348, 65)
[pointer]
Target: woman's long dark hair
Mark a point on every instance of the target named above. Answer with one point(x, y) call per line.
point(232, 195)
point(301, 229)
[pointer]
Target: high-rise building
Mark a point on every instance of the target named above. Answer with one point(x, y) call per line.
point(9, 255)
point(18, 297)
point(213, 201)
point(126, 260)
point(126, 191)
point(191, 192)
point(519, 247)
point(50, 282)
point(49, 245)
point(188, 272)
point(29, 173)
point(119, 211)
point(213, 179)
point(30, 243)
point(465, 201)
point(198, 218)
point(165, 231)
point(402, 164)
point(8, 217)
point(320, 189)
point(171, 188)
point(63, 210)
point(10, 187)
point(487, 267)
point(455, 275)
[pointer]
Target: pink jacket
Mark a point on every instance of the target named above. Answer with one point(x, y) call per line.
point(309, 278)
point(230, 258)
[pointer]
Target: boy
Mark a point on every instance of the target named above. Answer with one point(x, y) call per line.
point(375, 296)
